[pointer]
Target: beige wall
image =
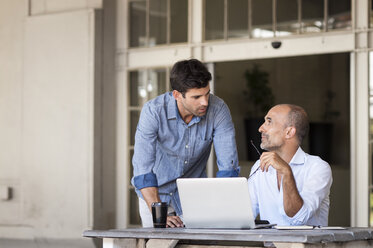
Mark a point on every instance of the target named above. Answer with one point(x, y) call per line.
point(57, 123)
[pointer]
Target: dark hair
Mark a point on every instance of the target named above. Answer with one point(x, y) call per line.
point(297, 117)
point(189, 74)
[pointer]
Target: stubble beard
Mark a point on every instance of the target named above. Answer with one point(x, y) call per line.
point(267, 146)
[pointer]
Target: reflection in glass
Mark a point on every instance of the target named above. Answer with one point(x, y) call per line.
point(156, 83)
point(214, 19)
point(134, 208)
point(158, 22)
point(287, 17)
point(137, 13)
point(179, 21)
point(312, 15)
point(339, 14)
point(134, 119)
point(237, 18)
point(261, 18)
point(138, 95)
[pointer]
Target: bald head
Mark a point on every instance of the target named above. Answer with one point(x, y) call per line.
point(296, 117)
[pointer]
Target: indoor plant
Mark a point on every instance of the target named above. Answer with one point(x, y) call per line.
point(259, 99)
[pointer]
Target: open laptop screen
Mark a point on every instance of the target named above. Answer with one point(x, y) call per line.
point(215, 202)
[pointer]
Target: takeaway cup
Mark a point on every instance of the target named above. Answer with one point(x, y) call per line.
point(159, 212)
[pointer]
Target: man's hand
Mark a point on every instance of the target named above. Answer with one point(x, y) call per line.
point(174, 221)
point(292, 200)
point(273, 159)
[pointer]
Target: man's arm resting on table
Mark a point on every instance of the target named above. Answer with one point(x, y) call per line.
point(293, 202)
point(151, 195)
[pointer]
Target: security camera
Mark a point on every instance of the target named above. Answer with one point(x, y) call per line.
point(276, 44)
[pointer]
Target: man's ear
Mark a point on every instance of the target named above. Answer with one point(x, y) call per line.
point(176, 94)
point(290, 132)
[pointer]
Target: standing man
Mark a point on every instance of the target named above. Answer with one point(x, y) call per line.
point(174, 137)
point(288, 186)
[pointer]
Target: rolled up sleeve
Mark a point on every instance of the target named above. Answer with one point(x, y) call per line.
point(315, 190)
point(145, 149)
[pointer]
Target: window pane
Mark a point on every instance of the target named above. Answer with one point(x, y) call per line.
point(137, 27)
point(287, 17)
point(339, 14)
point(214, 19)
point(238, 18)
point(138, 95)
point(156, 83)
point(134, 119)
point(261, 18)
point(158, 22)
point(312, 15)
point(179, 21)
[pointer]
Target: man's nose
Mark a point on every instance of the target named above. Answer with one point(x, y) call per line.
point(204, 101)
point(261, 128)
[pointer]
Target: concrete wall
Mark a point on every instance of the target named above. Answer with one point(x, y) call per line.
point(57, 121)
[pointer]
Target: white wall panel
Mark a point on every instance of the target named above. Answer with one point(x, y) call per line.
point(58, 124)
point(12, 14)
point(51, 6)
point(166, 56)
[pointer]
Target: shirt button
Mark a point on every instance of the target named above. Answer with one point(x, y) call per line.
point(185, 162)
point(170, 193)
point(186, 146)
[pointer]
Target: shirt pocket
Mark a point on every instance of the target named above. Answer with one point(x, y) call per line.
point(201, 146)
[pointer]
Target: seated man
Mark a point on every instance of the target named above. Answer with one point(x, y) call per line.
point(288, 186)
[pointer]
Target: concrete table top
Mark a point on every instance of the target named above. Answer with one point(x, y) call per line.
point(260, 235)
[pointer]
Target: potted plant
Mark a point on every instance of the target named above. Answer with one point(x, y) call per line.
point(259, 99)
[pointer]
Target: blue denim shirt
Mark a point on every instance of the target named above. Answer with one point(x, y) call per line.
point(166, 148)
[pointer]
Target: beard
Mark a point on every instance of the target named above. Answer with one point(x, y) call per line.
point(200, 111)
point(269, 145)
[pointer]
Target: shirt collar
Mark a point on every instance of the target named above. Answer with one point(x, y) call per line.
point(172, 110)
point(298, 158)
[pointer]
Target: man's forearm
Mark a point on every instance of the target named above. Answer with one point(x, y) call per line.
point(150, 195)
point(293, 202)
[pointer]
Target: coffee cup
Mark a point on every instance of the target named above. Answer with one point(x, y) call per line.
point(159, 212)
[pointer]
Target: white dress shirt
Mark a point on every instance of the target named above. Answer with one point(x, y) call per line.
point(313, 178)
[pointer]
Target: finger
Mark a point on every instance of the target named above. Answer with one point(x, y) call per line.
point(170, 222)
point(177, 221)
point(263, 164)
point(174, 221)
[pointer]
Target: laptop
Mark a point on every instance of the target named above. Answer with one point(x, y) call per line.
point(216, 203)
